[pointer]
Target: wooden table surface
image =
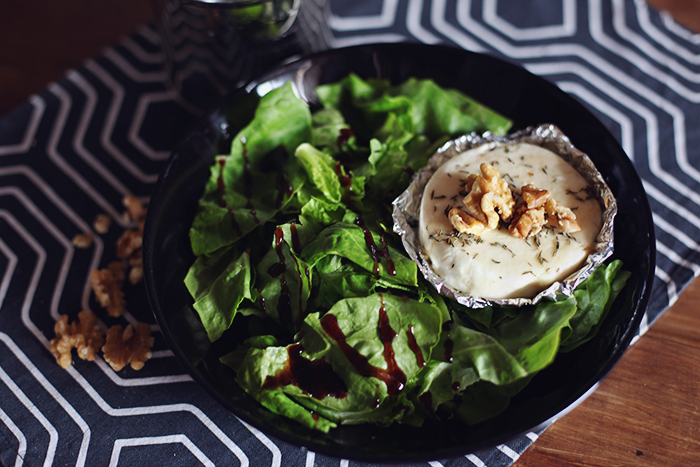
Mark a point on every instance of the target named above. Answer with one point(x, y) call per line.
point(645, 413)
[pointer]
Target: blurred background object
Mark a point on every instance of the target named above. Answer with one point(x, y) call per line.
point(212, 46)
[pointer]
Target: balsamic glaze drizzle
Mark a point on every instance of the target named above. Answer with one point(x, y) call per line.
point(392, 376)
point(374, 251)
point(284, 305)
point(449, 345)
point(248, 182)
point(413, 344)
point(222, 186)
point(315, 377)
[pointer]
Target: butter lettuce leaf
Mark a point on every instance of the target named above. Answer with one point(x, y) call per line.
point(361, 246)
point(436, 112)
point(219, 285)
point(320, 168)
point(403, 125)
point(247, 187)
point(341, 279)
point(422, 106)
point(534, 335)
point(594, 297)
point(374, 344)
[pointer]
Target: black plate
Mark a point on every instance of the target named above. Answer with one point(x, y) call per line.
point(507, 88)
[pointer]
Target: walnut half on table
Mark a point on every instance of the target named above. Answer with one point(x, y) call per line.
point(131, 345)
point(86, 336)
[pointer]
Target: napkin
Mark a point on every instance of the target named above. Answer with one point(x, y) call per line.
point(105, 130)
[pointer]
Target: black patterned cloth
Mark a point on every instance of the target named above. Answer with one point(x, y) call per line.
point(106, 129)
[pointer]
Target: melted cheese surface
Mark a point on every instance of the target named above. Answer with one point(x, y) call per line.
point(496, 265)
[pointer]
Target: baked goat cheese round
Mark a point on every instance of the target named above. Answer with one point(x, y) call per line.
point(504, 221)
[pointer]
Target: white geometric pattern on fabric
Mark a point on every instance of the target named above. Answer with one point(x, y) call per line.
point(83, 139)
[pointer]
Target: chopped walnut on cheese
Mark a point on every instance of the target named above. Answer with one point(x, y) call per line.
point(561, 216)
point(489, 198)
point(490, 201)
point(466, 223)
point(522, 202)
point(529, 217)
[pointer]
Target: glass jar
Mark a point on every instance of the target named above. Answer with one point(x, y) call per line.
point(213, 46)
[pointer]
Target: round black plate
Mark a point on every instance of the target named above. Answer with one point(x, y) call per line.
point(505, 87)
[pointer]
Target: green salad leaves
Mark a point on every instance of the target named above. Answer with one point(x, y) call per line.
point(295, 251)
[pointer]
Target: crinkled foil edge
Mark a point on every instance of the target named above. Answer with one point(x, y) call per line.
point(406, 209)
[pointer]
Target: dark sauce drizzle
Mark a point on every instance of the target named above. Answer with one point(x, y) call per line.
point(222, 186)
point(449, 345)
point(413, 344)
point(280, 266)
point(263, 305)
point(376, 253)
point(345, 180)
point(296, 243)
point(344, 136)
point(314, 377)
point(284, 188)
point(393, 376)
point(284, 305)
point(248, 182)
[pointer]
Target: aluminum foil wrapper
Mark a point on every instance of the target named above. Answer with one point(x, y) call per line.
point(407, 208)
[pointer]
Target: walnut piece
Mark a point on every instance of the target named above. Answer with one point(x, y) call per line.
point(489, 201)
point(82, 240)
point(561, 216)
point(533, 197)
point(102, 223)
point(129, 249)
point(86, 336)
point(135, 211)
point(489, 198)
point(529, 216)
point(118, 270)
point(131, 345)
point(136, 264)
point(535, 209)
point(107, 283)
point(527, 223)
point(465, 223)
point(129, 242)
